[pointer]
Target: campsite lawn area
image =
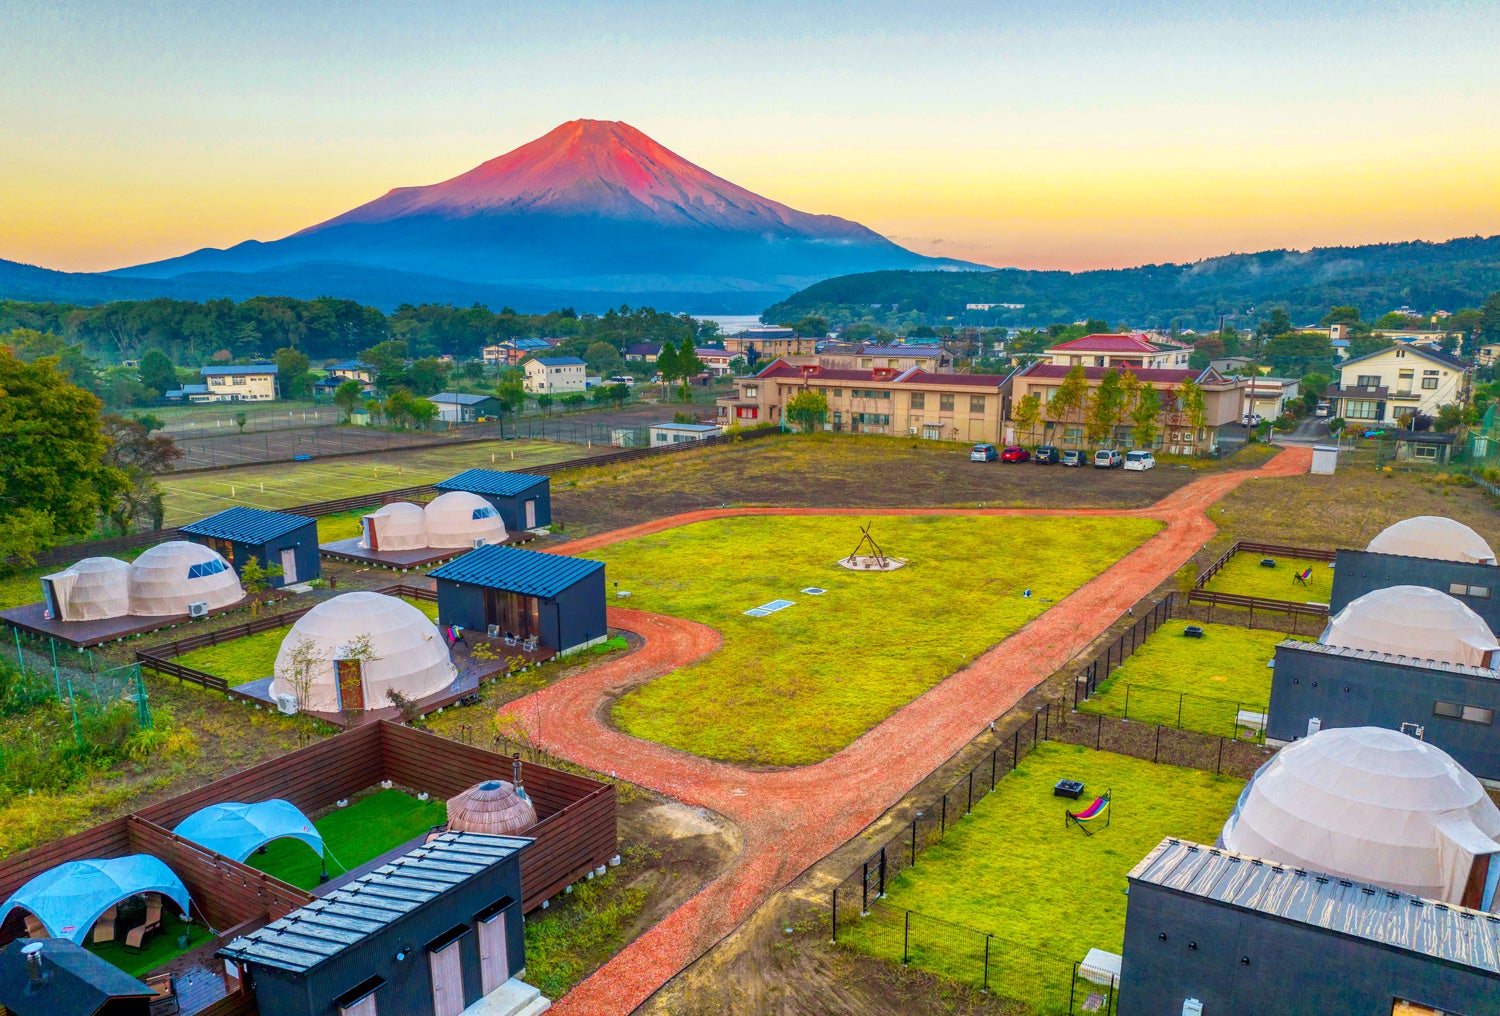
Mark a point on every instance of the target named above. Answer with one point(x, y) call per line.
point(1045, 890)
point(253, 657)
point(1216, 676)
point(796, 686)
point(343, 526)
point(351, 836)
point(1243, 575)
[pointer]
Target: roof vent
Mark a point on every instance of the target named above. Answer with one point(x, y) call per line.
point(33, 953)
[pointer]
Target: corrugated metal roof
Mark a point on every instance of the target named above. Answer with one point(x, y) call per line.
point(491, 481)
point(459, 398)
point(1298, 646)
point(246, 525)
point(328, 926)
point(256, 368)
point(1442, 931)
point(528, 572)
point(558, 361)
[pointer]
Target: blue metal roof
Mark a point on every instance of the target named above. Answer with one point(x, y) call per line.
point(246, 525)
point(352, 365)
point(254, 368)
point(558, 361)
point(492, 481)
point(460, 398)
point(528, 572)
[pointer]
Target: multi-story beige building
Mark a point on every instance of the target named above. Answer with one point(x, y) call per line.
point(862, 356)
point(554, 375)
point(881, 400)
point(1136, 351)
point(253, 383)
point(1390, 383)
point(769, 343)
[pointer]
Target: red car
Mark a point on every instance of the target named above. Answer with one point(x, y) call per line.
point(1015, 454)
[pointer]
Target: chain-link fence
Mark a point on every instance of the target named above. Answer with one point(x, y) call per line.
point(39, 671)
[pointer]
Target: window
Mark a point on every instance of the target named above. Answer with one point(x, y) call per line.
point(838, 393)
point(1424, 451)
point(747, 412)
point(1468, 714)
point(1406, 375)
point(206, 568)
point(945, 403)
point(1369, 381)
point(238, 380)
point(1429, 380)
point(866, 362)
point(1480, 592)
point(487, 512)
point(919, 400)
point(1462, 589)
point(751, 392)
point(1355, 409)
point(976, 403)
point(1073, 435)
point(873, 419)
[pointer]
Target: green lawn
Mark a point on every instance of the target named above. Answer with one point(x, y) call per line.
point(351, 836)
point(254, 656)
point(1048, 893)
point(343, 526)
point(796, 686)
point(1243, 575)
point(160, 948)
point(1217, 675)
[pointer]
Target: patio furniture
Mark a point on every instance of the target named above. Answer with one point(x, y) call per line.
point(165, 1003)
point(1268, 562)
point(510, 639)
point(1193, 631)
point(1099, 809)
point(136, 938)
point(1068, 788)
point(104, 928)
point(529, 643)
point(1302, 576)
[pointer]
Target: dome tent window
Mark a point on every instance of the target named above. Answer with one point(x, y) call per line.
point(487, 512)
point(204, 569)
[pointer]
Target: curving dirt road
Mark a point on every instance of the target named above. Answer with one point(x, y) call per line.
point(791, 819)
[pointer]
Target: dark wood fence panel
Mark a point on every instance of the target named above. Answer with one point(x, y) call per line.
point(1247, 547)
point(112, 839)
point(238, 1003)
point(567, 845)
point(1253, 603)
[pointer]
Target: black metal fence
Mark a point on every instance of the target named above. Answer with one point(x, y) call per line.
point(1117, 652)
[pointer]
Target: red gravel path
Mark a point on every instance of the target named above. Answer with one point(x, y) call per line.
point(783, 835)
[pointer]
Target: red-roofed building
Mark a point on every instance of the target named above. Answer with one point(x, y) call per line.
point(881, 400)
point(1135, 350)
point(1223, 403)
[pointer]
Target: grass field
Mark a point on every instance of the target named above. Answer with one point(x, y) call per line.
point(351, 836)
point(796, 686)
point(1244, 576)
point(254, 656)
point(286, 484)
point(1216, 676)
point(1048, 893)
point(343, 526)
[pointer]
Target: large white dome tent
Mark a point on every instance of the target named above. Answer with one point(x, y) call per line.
point(458, 518)
point(407, 653)
point(1433, 536)
point(88, 590)
point(1416, 622)
point(167, 578)
point(1371, 805)
point(399, 525)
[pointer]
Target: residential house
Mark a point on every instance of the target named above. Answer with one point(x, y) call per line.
point(1227, 365)
point(459, 407)
point(642, 352)
point(555, 375)
point(253, 383)
point(1135, 350)
point(1488, 354)
point(1340, 332)
point(756, 344)
point(1223, 403)
point(349, 370)
point(864, 356)
point(880, 400)
point(716, 360)
point(1268, 396)
point(1430, 338)
point(1383, 386)
point(271, 539)
point(677, 433)
point(511, 351)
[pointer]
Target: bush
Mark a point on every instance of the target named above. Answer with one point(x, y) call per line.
point(20, 693)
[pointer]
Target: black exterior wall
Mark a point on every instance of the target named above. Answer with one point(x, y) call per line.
point(1357, 572)
point(577, 615)
point(512, 508)
point(1348, 691)
point(1293, 969)
point(408, 983)
point(302, 541)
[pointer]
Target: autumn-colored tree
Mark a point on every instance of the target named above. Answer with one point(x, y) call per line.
point(1025, 414)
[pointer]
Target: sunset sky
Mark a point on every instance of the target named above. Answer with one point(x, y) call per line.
point(1040, 135)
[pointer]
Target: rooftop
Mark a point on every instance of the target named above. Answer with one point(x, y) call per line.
point(1117, 343)
point(351, 365)
point(459, 398)
point(327, 926)
point(1297, 645)
point(1442, 931)
point(254, 368)
point(910, 376)
point(1156, 375)
point(528, 572)
point(246, 525)
point(558, 361)
point(491, 481)
point(696, 428)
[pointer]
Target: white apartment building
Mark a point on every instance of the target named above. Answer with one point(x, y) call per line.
point(555, 375)
point(253, 383)
point(1382, 386)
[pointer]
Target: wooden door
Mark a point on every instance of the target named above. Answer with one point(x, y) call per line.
point(531, 514)
point(364, 1007)
point(351, 685)
point(494, 967)
point(447, 980)
point(288, 566)
point(372, 540)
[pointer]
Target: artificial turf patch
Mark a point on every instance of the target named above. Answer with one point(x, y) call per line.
point(161, 946)
point(351, 836)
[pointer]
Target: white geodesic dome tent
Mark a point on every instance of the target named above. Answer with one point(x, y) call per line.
point(458, 518)
point(1433, 536)
point(407, 653)
point(88, 590)
point(1370, 805)
point(399, 525)
point(170, 576)
point(1416, 622)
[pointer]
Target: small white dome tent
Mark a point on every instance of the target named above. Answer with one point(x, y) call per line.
point(1433, 536)
point(458, 518)
point(1417, 622)
point(1371, 805)
point(170, 576)
point(88, 590)
point(399, 525)
point(407, 653)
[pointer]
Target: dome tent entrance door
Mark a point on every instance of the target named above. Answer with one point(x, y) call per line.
point(351, 684)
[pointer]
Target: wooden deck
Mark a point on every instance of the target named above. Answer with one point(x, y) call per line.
point(402, 560)
point(32, 618)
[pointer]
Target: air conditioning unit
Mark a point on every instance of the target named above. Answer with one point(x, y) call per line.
point(1314, 724)
point(286, 705)
point(479, 541)
point(199, 609)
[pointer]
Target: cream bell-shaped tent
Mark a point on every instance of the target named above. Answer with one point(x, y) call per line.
point(88, 590)
point(1373, 805)
point(407, 654)
point(399, 525)
point(1433, 536)
point(1417, 622)
point(170, 576)
point(458, 518)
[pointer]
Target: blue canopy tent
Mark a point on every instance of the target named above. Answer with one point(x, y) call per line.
point(239, 830)
point(70, 898)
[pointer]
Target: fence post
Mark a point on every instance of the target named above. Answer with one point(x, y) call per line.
point(970, 806)
point(1015, 748)
point(1127, 701)
point(835, 913)
point(943, 828)
point(1179, 710)
point(1219, 763)
point(56, 677)
point(913, 843)
point(993, 753)
point(864, 890)
point(986, 988)
point(1047, 724)
point(1156, 752)
point(906, 940)
point(881, 895)
point(1036, 719)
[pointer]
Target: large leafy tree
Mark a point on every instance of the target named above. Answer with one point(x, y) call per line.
point(1070, 397)
point(292, 373)
point(139, 457)
point(807, 410)
point(53, 474)
point(666, 364)
point(348, 396)
point(1025, 414)
point(1107, 408)
point(1144, 417)
point(1293, 354)
point(689, 365)
point(157, 372)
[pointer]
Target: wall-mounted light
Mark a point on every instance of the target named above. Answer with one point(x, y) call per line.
point(1193, 946)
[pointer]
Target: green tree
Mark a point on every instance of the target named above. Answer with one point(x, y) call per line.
point(1278, 322)
point(1340, 316)
point(1313, 387)
point(1106, 410)
point(603, 359)
point(1189, 400)
point(1449, 417)
point(157, 373)
point(1145, 416)
point(347, 397)
point(689, 366)
point(666, 364)
point(812, 326)
point(1025, 414)
point(389, 360)
point(1489, 319)
point(573, 400)
point(1206, 350)
point(544, 403)
point(292, 373)
point(427, 376)
point(1364, 345)
point(807, 410)
point(240, 419)
point(1070, 397)
point(511, 394)
point(1292, 354)
point(53, 478)
point(30, 345)
point(422, 412)
point(738, 367)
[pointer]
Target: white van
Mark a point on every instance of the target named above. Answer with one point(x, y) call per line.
point(1140, 461)
point(1107, 458)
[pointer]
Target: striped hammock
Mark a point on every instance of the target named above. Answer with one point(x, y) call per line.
point(1099, 809)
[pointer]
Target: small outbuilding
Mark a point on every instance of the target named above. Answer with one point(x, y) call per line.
point(351, 651)
point(494, 807)
point(555, 598)
point(170, 577)
point(461, 519)
point(55, 977)
point(272, 539)
point(459, 407)
point(663, 434)
point(88, 590)
point(523, 499)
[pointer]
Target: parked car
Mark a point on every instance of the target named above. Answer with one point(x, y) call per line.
point(1074, 457)
point(1046, 455)
point(1323, 409)
point(622, 379)
point(1251, 419)
point(1108, 458)
point(1139, 461)
point(983, 453)
point(1015, 453)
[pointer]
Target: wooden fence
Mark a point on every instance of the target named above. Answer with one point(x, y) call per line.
point(1245, 546)
point(1289, 608)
